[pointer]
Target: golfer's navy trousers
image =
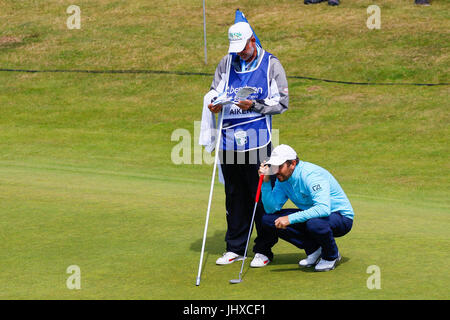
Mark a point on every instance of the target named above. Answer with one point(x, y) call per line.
point(312, 234)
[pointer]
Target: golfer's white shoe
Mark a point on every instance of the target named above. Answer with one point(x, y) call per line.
point(259, 261)
point(312, 259)
point(229, 257)
point(326, 265)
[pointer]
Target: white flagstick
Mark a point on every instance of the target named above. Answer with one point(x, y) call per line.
point(210, 198)
point(204, 30)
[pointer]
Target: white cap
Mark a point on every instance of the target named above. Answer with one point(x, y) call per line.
point(281, 154)
point(238, 34)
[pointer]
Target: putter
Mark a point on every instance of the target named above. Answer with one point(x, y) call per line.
point(258, 192)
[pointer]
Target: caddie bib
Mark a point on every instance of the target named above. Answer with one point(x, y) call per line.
point(247, 130)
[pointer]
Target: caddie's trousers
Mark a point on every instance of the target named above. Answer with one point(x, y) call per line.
point(240, 172)
point(310, 235)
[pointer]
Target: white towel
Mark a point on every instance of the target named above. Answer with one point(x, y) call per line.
point(208, 123)
point(208, 130)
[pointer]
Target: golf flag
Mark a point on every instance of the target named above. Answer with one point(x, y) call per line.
point(240, 17)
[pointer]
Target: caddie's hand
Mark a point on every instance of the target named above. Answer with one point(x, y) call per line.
point(216, 108)
point(245, 104)
point(264, 170)
point(282, 222)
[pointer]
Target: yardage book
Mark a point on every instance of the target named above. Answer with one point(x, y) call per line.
point(242, 94)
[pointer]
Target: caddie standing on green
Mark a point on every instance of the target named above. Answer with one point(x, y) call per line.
point(246, 135)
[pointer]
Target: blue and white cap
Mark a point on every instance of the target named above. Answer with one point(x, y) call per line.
point(238, 34)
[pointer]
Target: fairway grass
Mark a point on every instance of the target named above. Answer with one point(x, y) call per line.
point(134, 237)
point(87, 172)
point(92, 184)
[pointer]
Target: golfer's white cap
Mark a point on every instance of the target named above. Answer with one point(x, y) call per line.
point(238, 34)
point(281, 154)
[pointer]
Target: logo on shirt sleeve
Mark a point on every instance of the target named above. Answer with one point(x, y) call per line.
point(316, 187)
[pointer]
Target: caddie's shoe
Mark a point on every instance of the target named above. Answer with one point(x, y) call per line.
point(312, 259)
point(333, 2)
point(326, 265)
point(313, 1)
point(229, 257)
point(259, 261)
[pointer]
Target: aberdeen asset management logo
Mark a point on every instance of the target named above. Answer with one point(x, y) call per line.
point(232, 90)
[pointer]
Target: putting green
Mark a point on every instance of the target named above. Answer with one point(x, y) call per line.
point(87, 176)
point(135, 236)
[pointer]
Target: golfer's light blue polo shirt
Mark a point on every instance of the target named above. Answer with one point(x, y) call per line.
point(312, 189)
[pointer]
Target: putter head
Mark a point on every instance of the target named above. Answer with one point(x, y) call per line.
point(233, 281)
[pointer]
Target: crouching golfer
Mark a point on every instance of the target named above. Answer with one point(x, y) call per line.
point(324, 211)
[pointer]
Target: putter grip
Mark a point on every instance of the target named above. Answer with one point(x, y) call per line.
point(258, 192)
